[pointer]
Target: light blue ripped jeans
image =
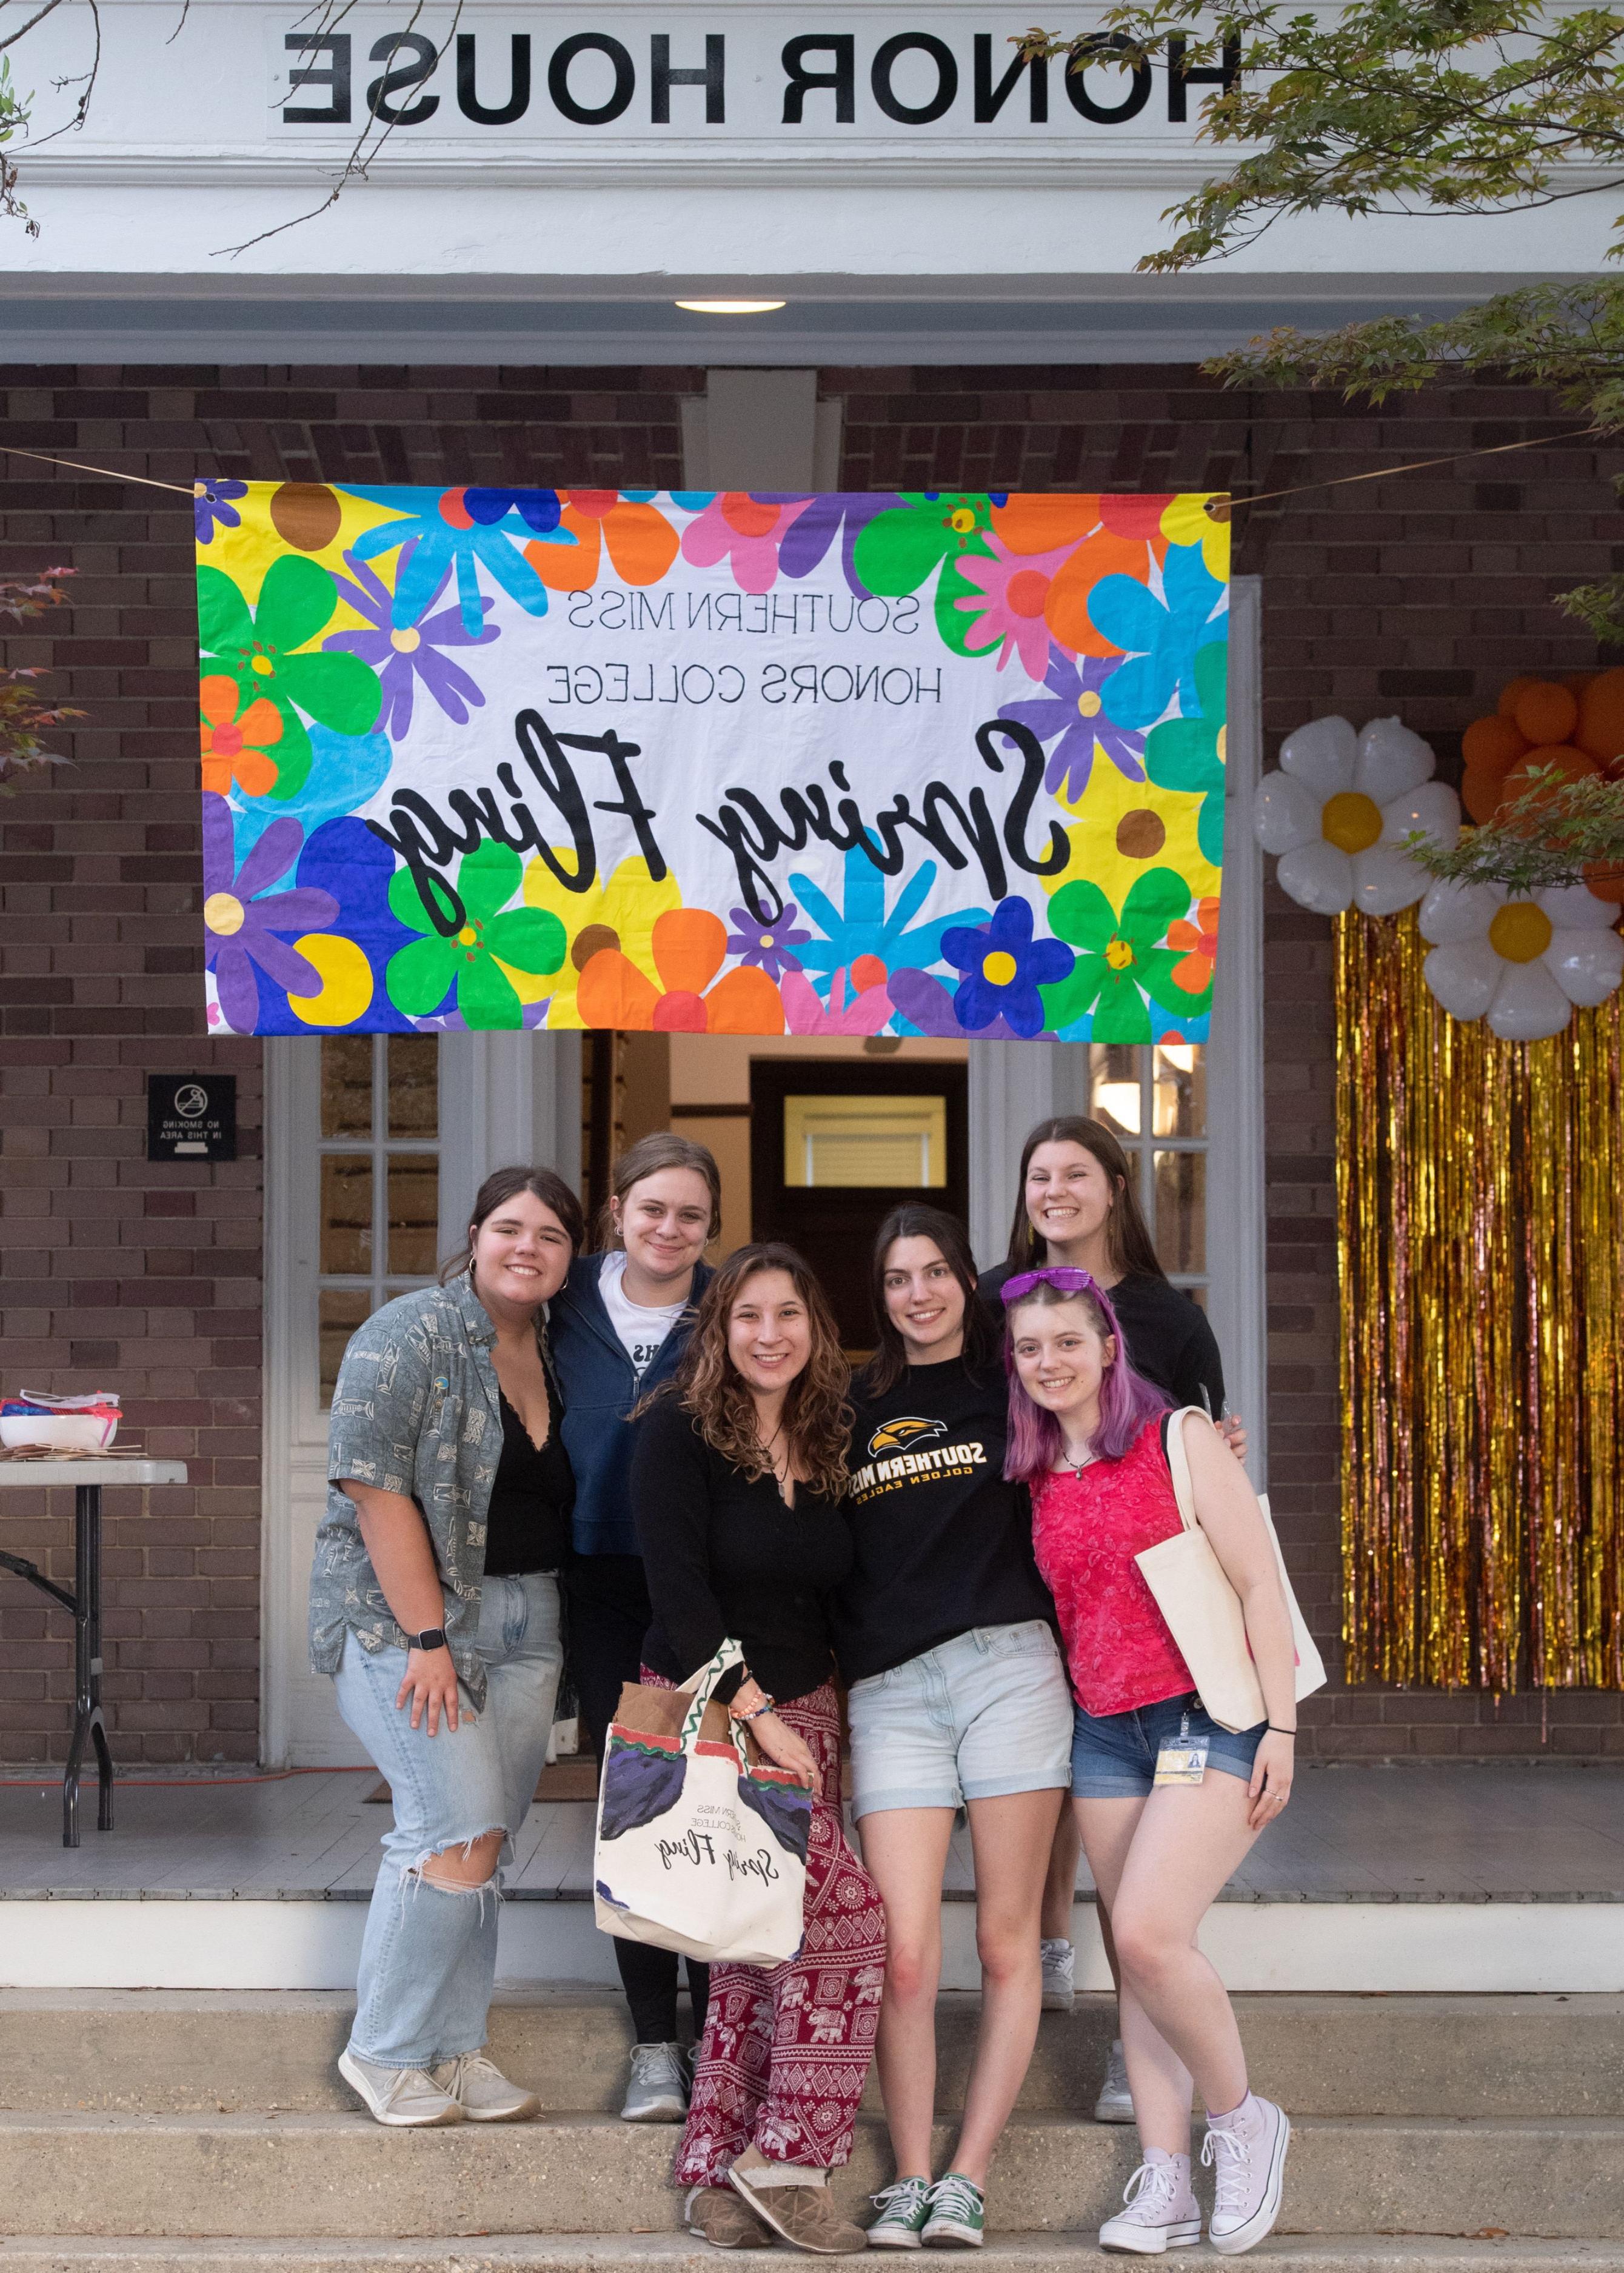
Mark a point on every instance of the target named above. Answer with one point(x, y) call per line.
point(428, 1962)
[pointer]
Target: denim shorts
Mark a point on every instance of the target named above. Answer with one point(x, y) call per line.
point(1113, 1754)
point(985, 1714)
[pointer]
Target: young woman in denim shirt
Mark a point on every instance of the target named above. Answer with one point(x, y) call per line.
point(434, 1605)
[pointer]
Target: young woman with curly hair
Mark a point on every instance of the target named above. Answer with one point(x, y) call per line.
point(736, 1486)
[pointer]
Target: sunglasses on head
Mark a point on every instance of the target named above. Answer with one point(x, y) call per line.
point(1065, 1278)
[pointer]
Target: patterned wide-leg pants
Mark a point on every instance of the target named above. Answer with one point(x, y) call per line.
point(785, 2053)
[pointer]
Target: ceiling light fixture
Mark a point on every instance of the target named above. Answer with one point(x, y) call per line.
point(729, 307)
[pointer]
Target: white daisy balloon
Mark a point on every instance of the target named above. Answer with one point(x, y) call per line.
point(1339, 808)
point(1522, 963)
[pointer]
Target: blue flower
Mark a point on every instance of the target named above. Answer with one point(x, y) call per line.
point(770, 946)
point(1004, 967)
point(537, 509)
point(1159, 637)
point(211, 503)
point(447, 536)
point(865, 929)
point(347, 771)
point(344, 860)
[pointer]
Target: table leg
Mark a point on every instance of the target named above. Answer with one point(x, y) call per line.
point(87, 1721)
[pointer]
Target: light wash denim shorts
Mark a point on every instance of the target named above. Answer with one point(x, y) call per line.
point(987, 1713)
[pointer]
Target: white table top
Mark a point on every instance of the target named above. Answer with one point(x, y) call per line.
point(28, 1475)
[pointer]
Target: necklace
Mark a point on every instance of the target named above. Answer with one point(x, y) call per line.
point(1077, 1466)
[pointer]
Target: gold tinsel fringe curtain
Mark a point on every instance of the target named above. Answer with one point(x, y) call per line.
point(1480, 1232)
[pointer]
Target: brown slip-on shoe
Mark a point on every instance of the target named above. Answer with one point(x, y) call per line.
point(725, 2219)
point(805, 2217)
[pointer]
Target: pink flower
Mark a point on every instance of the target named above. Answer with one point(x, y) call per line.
point(865, 1013)
point(747, 530)
point(1016, 586)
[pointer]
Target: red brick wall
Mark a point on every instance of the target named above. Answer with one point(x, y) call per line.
point(1419, 596)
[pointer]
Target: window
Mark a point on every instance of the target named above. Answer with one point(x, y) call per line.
point(1153, 1099)
point(378, 1173)
point(851, 1141)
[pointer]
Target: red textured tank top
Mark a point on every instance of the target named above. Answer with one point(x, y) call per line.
point(1086, 1530)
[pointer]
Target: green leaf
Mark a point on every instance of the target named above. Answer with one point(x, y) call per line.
point(418, 976)
point(224, 624)
point(296, 600)
point(1156, 899)
point(485, 995)
point(1080, 914)
point(340, 691)
point(531, 939)
point(488, 878)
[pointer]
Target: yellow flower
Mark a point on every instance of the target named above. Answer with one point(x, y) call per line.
point(1187, 522)
point(620, 914)
point(1125, 828)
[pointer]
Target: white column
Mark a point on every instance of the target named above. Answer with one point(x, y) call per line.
point(761, 429)
point(503, 1098)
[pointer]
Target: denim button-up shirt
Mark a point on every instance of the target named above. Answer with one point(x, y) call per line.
point(416, 1412)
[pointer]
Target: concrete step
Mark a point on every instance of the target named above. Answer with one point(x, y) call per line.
point(230, 2051)
point(327, 2175)
point(674, 2252)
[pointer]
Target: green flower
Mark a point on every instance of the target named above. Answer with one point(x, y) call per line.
point(420, 976)
point(901, 547)
point(1122, 967)
point(296, 601)
point(1187, 753)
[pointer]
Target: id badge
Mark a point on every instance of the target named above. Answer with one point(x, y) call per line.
point(1183, 1760)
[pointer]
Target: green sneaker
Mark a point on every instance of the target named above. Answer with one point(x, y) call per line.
point(957, 2214)
point(903, 2209)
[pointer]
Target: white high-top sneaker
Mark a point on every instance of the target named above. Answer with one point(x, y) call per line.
point(1161, 2212)
point(1114, 2103)
point(1059, 1976)
point(1247, 2150)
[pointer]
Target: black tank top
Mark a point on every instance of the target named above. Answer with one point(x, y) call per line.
point(527, 1526)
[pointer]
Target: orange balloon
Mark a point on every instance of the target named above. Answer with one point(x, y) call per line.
point(1491, 744)
point(1601, 715)
point(1480, 793)
point(1573, 765)
point(1511, 693)
point(1548, 713)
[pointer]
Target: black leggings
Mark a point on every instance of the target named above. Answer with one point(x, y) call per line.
point(609, 1615)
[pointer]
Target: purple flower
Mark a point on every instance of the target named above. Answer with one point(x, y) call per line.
point(211, 503)
point(925, 1004)
point(1077, 709)
point(826, 517)
point(767, 945)
point(1003, 968)
point(400, 656)
point(240, 927)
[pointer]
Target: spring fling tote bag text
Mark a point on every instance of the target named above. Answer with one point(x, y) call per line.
point(701, 1847)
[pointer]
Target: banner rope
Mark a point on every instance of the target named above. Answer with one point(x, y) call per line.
point(1222, 508)
point(145, 480)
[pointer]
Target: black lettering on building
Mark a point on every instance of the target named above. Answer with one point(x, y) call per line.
point(662, 78)
point(581, 114)
point(990, 100)
point(885, 59)
point(401, 77)
point(840, 80)
point(501, 114)
point(335, 76)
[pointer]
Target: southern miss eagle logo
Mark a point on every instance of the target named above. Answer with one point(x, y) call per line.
point(907, 1430)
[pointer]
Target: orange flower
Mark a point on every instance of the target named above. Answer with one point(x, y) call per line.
point(1199, 942)
point(233, 747)
point(1110, 536)
point(641, 541)
point(689, 946)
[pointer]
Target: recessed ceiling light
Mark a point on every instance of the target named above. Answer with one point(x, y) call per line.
point(729, 307)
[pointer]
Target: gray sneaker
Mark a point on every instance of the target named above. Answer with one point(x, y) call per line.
point(405, 2098)
point(658, 2091)
point(1059, 1976)
point(1114, 2103)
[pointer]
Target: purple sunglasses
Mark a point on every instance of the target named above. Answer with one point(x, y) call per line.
point(1065, 1278)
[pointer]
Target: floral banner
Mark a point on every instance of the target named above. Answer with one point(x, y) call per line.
point(711, 762)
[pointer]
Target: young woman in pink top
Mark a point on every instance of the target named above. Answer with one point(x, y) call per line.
point(1088, 1434)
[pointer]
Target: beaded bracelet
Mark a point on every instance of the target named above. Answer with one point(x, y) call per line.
point(756, 1711)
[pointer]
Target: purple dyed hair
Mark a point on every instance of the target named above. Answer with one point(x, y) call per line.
point(1127, 1400)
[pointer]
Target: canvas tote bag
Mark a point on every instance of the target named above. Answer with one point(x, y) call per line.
point(702, 1843)
point(1203, 1610)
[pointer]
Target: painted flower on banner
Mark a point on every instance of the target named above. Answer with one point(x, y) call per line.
point(1004, 967)
point(215, 502)
point(863, 929)
point(690, 945)
point(353, 867)
point(261, 650)
point(744, 530)
point(1123, 963)
point(825, 518)
point(1161, 637)
point(901, 548)
point(1197, 944)
point(403, 655)
point(771, 945)
point(247, 925)
point(1006, 608)
point(1187, 753)
point(1076, 708)
point(641, 543)
point(1119, 835)
point(470, 962)
point(857, 1010)
point(345, 771)
point(1340, 807)
point(923, 1005)
point(449, 537)
point(619, 914)
point(1523, 963)
point(236, 748)
point(1100, 536)
point(1186, 521)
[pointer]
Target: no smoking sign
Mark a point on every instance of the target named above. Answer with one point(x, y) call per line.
point(191, 1116)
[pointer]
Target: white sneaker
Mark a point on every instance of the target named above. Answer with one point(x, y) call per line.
point(1114, 2103)
point(483, 2092)
point(1248, 2155)
point(1161, 2212)
point(1059, 1976)
point(406, 2099)
point(658, 2091)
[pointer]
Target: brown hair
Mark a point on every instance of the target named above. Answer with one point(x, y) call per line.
point(1127, 1235)
point(817, 1420)
point(888, 1363)
point(503, 1184)
point(646, 1158)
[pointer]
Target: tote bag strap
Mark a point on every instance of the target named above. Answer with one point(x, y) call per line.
point(702, 1683)
point(1179, 1463)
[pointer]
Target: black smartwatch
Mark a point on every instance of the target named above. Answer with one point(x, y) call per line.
point(431, 1638)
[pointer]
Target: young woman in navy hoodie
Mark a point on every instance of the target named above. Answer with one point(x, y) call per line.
point(617, 1329)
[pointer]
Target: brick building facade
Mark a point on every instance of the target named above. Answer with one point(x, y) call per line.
point(1419, 595)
